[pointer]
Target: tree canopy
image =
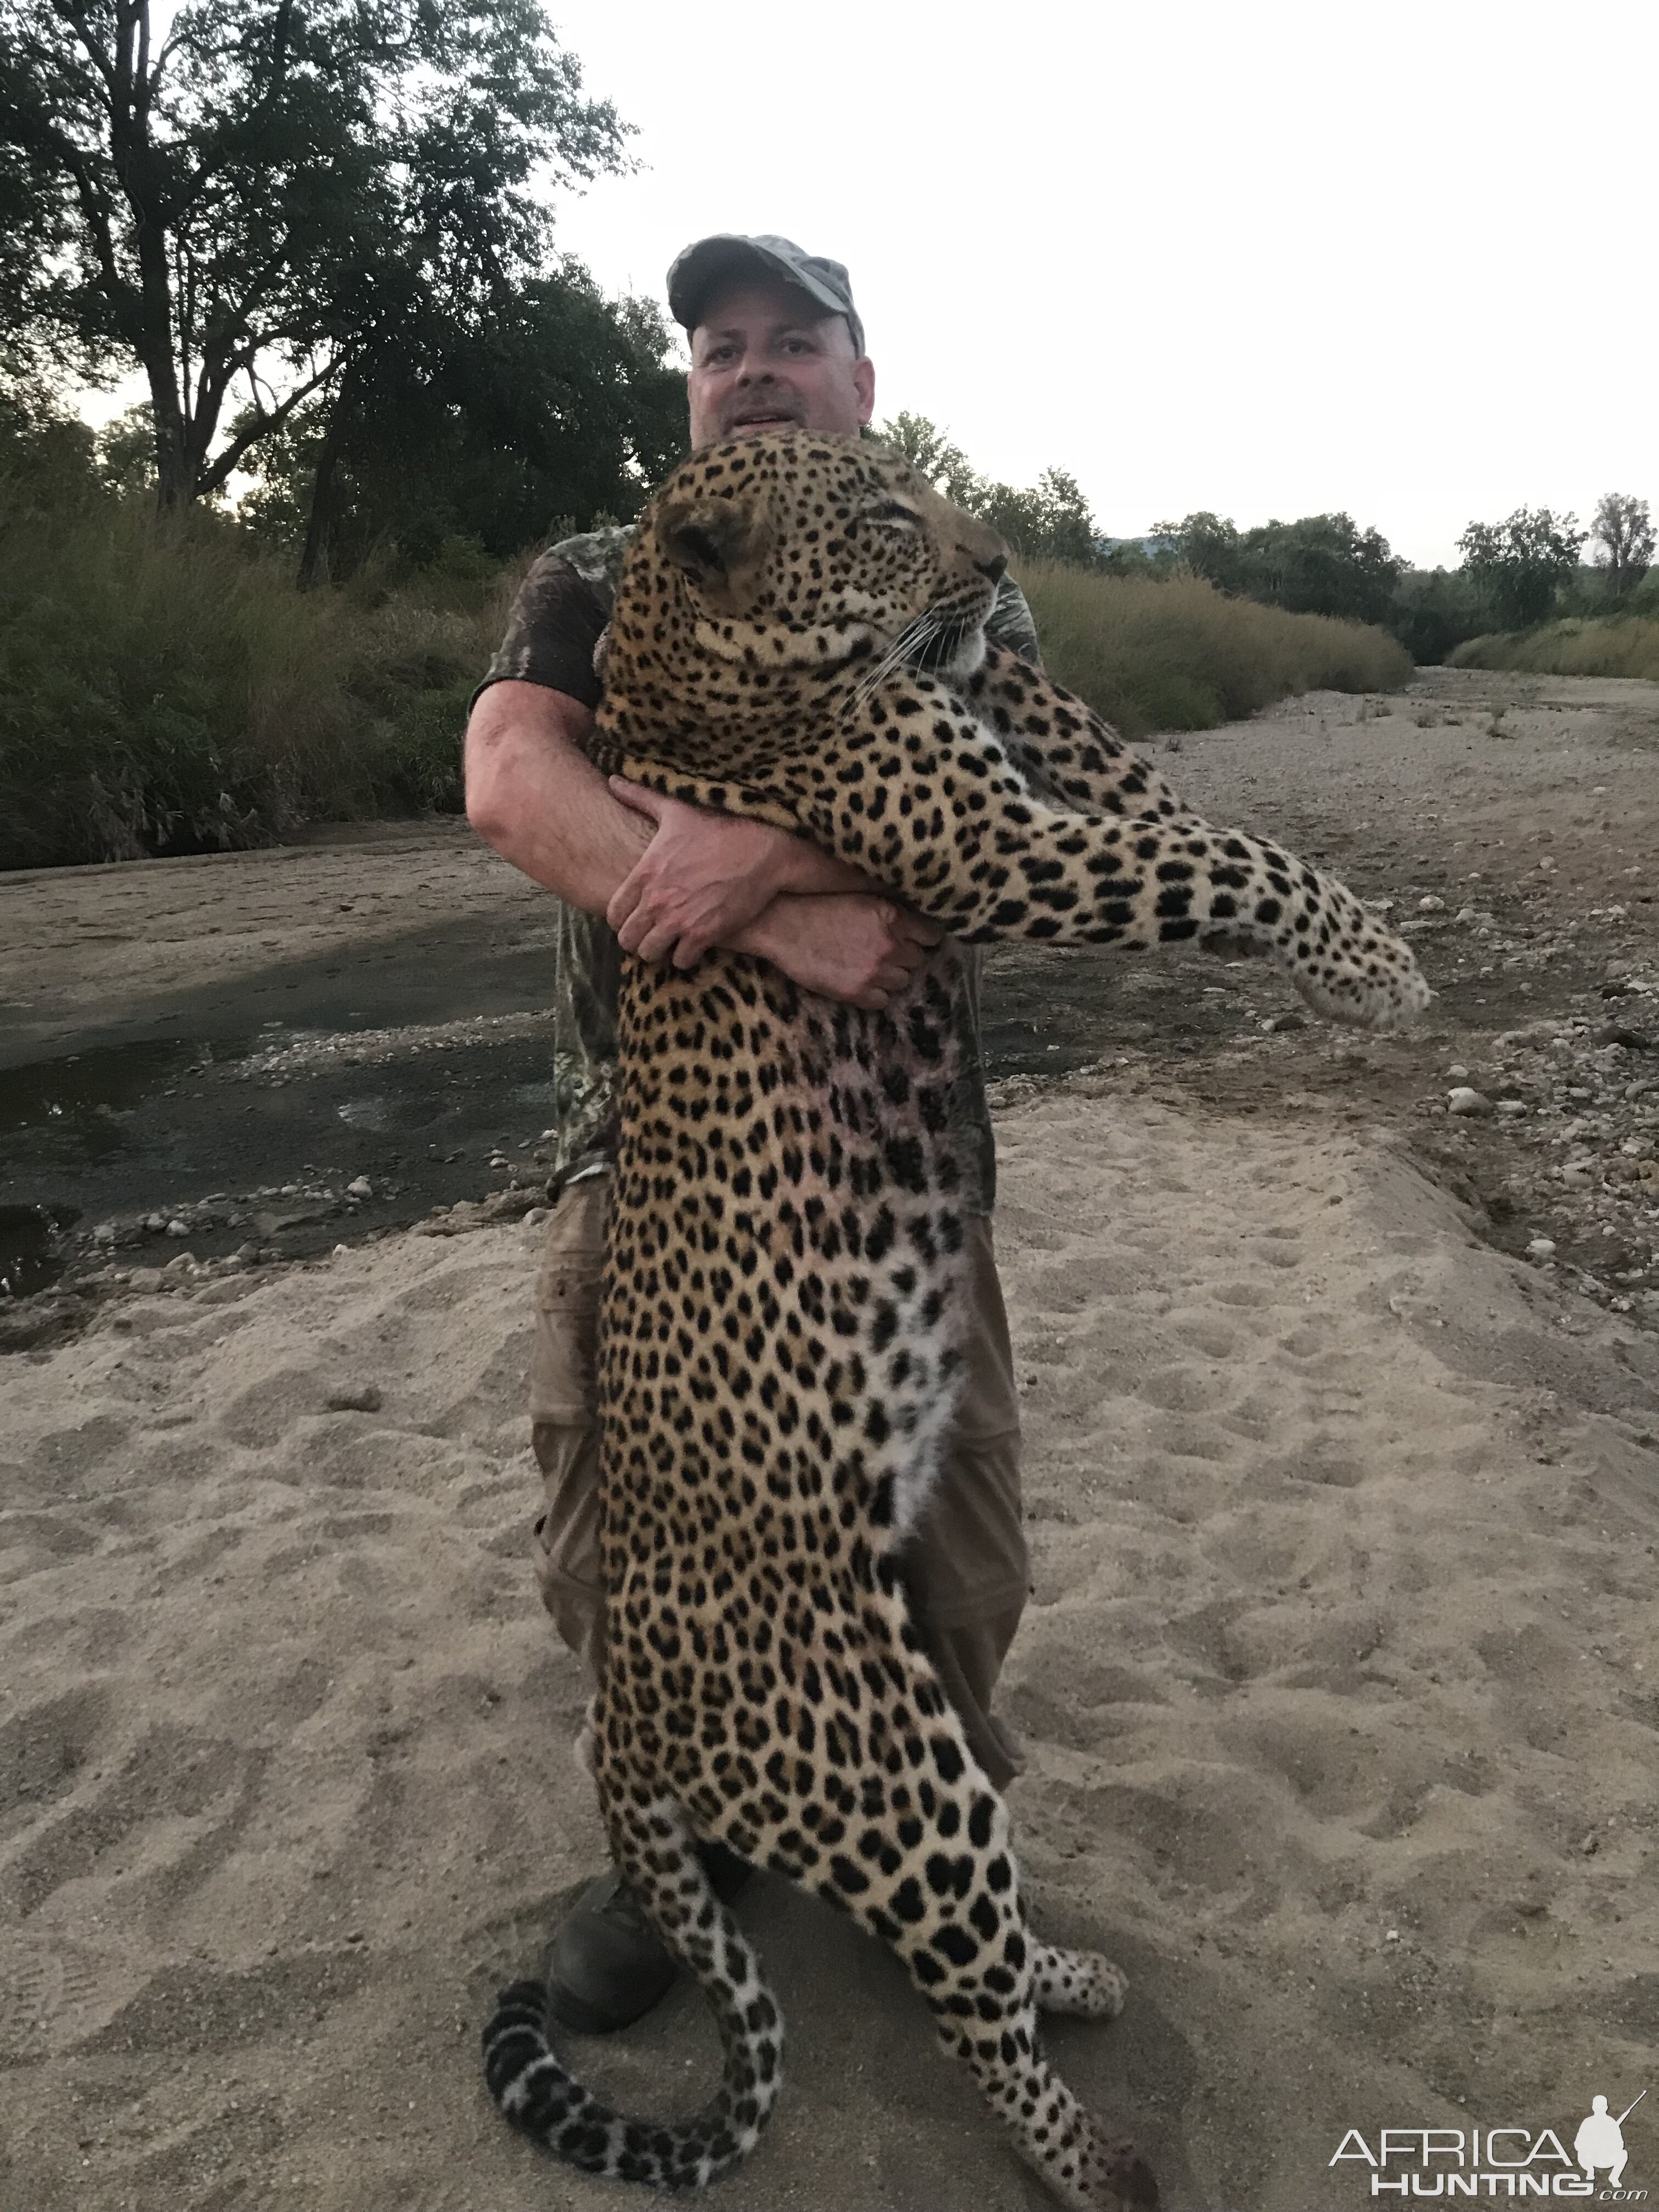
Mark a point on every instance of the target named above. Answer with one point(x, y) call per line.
point(248, 196)
point(558, 404)
point(1322, 564)
point(1518, 565)
point(1048, 520)
point(1623, 530)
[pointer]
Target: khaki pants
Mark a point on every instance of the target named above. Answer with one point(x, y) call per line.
point(967, 1566)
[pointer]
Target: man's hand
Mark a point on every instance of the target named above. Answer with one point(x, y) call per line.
point(848, 945)
point(704, 878)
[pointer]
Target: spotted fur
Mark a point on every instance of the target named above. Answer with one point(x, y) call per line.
point(798, 637)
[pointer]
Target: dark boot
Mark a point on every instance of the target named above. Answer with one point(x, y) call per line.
point(608, 1966)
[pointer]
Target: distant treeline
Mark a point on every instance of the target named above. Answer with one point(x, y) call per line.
point(1514, 574)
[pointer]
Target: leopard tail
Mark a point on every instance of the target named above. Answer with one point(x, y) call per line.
point(540, 2095)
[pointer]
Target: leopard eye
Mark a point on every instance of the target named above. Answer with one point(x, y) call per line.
point(892, 514)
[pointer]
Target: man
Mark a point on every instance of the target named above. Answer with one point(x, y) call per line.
point(775, 343)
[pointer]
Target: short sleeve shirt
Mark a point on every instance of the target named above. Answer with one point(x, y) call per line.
point(556, 636)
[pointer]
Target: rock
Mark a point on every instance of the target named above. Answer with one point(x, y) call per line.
point(1577, 1178)
point(147, 1279)
point(362, 1398)
point(1458, 1073)
point(359, 1187)
point(1616, 1033)
point(1541, 1247)
point(1277, 1024)
point(1431, 905)
point(1513, 1107)
point(1461, 1100)
point(157, 1222)
point(177, 1228)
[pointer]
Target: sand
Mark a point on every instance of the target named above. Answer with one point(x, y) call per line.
point(1338, 1680)
point(1339, 1684)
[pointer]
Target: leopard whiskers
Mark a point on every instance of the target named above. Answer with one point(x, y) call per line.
point(915, 634)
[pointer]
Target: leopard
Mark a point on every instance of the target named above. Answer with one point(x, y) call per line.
point(798, 638)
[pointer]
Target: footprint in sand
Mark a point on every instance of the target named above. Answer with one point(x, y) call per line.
point(174, 1812)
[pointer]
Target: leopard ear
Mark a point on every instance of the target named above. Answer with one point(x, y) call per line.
point(720, 543)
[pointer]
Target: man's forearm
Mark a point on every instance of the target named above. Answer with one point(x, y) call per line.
point(533, 795)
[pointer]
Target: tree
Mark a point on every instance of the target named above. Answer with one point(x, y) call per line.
point(1051, 521)
point(1048, 520)
point(1624, 528)
point(559, 403)
point(1210, 546)
point(1519, 564)
point(1434, 610)
point(1323, 564)
point(940, 459)
point(263, 192)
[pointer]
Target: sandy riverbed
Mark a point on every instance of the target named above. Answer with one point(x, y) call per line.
point(1339, 1681)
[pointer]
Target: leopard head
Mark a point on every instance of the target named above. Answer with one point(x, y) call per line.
point(797, 551)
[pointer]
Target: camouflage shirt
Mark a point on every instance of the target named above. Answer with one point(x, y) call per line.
point(556, 636)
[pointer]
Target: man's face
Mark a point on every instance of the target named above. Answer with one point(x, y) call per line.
point(763, 356)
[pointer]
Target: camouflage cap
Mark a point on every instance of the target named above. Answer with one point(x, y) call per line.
point(712, 260)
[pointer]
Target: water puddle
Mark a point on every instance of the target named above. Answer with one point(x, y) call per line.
point(28, 1253)
point(78, 1108)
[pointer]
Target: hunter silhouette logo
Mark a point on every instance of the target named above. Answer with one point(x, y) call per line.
point(1601, 2142)
point(1491, 2162)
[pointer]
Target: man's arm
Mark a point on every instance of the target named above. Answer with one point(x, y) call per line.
point(532, 794)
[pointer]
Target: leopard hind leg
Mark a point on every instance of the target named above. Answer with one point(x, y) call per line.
point(1082, 1983)
point(653, 1847)
point(998, 2037)
point(951, 1910)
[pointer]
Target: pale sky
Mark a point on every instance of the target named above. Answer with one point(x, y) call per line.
point(1269, 257)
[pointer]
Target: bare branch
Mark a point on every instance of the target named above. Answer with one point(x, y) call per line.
point(215, 477)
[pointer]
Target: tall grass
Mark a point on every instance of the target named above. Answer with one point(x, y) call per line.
point(1179, 655)
point(169, 689)
point(1625, 646)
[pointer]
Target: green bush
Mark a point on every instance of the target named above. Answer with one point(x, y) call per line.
point(165, 688)
point(1628, 645)
point(1181, 655)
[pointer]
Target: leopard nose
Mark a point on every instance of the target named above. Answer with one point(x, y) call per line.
point(993, 570)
